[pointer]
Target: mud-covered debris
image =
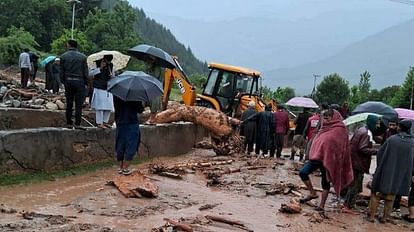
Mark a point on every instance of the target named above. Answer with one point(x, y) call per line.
point(283, 188)
point(6, 209)
point(208, 206)
point(315, 217)
point(228, 145)
point(293, 207)
point(135, 185)
point(228, 221)
point(204, 144)
point(173, 226)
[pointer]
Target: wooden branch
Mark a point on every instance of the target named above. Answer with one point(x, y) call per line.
point(182, 226)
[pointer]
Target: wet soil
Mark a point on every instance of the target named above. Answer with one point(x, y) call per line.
point(251, 197)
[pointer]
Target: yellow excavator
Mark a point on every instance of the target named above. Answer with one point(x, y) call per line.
point(228, 88)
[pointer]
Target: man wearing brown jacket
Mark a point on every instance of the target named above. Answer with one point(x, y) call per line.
point(361, 152)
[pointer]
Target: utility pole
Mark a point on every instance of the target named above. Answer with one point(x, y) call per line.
point(314, 84)
point(412, 89)
point(73, 13)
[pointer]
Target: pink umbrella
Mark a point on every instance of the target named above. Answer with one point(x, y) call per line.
point(302, 102)
point(405, 113)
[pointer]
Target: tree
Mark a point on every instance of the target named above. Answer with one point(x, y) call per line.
point(283, 94)
point(13, 44)
point(388, 93)
point(354, 98)
point(364, 86)
point(44, 19)
point(404, 95)
point(266, 93)
point(197, 80)
point(333, 89)
point(375, 95)
point(84, 45)
point(113, 30)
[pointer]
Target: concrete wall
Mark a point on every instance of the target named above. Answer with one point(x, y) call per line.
point(20, 118)
point(49, 149)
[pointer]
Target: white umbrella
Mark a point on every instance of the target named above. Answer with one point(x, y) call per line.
point(302, 102)
point(358, 118)
point(119, 60)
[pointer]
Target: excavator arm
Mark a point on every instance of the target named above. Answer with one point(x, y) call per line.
point(188, 91)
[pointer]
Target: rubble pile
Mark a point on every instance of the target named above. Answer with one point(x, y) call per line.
point(34, 97)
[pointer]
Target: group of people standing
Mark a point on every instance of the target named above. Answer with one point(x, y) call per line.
point(265, 129)
point(341, 157)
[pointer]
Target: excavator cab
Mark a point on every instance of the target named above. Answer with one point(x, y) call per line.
point(230, 89)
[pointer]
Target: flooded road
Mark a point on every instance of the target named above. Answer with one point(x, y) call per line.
point(86, 203)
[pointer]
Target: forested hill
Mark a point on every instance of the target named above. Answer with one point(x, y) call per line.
point(45, 26)
point(156, 34)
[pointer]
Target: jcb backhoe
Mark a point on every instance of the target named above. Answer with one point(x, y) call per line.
point(228, 88)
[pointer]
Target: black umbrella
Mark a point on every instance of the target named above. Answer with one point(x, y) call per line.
point(144, 52)
point(135, 86)
point(376, 107)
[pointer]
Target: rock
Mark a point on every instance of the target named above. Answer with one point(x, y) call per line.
point(39, 101)
point(25, 104)
point(60, 104)
point(51, 106)
point(16, 103)
point(36, 106)
point(3, 90)
point(8, 102)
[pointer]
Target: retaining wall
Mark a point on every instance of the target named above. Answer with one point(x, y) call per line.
point(50, 149)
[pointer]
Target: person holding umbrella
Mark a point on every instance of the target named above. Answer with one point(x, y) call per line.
point(129, 90)
point(154, 70)
point(102, 101)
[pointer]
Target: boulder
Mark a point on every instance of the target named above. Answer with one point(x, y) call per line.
point(60, 104)
point(39, 101)
point(51, 106)
point(16, 103)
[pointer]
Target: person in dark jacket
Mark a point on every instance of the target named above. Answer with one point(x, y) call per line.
point(34, 58)
point(394, 170)
point(264, 130)
point(299, 142)
point(74, 75)
point(52, 72)
point(127, 132)
point(248, 129)
point(361, 153)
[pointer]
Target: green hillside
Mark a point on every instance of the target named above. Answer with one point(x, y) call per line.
point(44, 26)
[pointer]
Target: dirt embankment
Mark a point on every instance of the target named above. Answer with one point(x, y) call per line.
point(196, 192)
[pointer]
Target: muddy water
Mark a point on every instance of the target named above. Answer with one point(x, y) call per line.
point(86, 200)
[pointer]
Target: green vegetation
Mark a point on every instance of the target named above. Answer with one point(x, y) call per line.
point(403, 96)
point(44, 26)
point(333, 89)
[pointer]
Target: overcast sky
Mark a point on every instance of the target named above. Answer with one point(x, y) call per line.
point(284, 9)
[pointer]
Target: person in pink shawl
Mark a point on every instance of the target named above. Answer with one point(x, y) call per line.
point(330, 154)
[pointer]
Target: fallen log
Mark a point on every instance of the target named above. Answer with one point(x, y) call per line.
point(171, 175)
point(135, 185)
point(227, 221)
point(180, 225)
point(215, 121)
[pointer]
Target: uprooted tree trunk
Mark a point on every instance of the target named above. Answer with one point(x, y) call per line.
point(225, 142)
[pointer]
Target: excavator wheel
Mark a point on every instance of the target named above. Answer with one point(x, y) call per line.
point(205, 104)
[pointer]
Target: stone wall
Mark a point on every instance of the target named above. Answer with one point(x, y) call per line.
point(50, 149)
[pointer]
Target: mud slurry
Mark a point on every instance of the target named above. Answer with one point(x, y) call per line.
point(246, 191)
